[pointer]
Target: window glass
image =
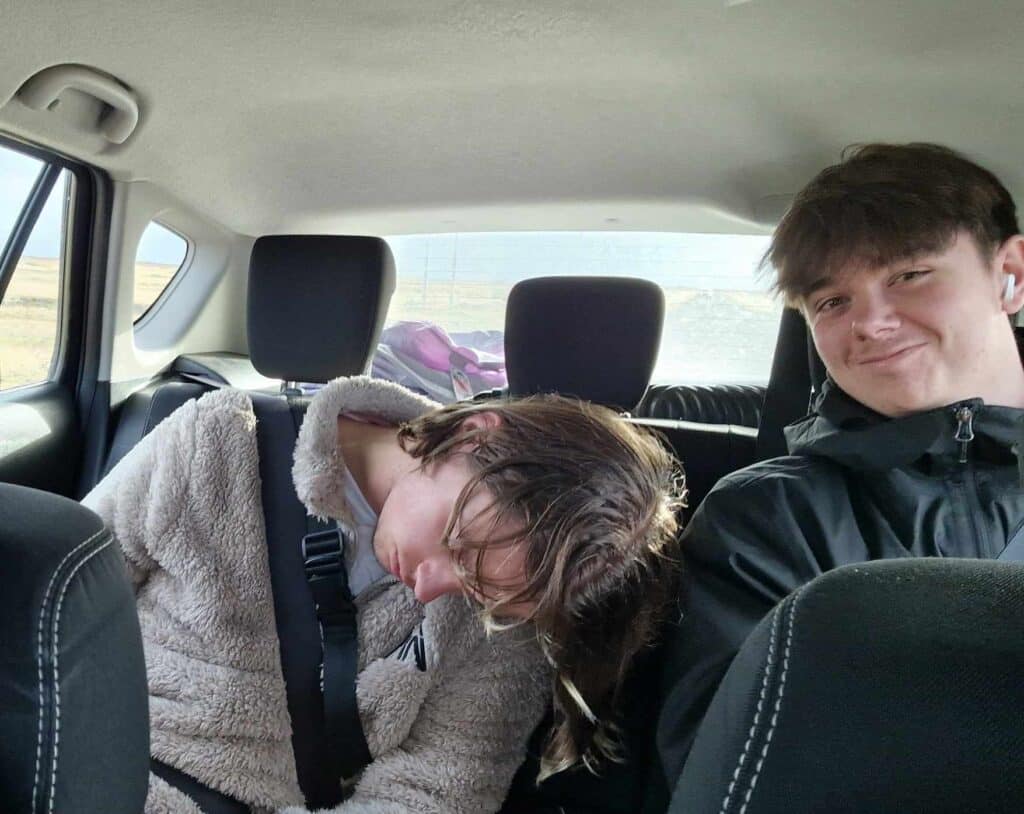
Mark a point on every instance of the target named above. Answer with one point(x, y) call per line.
point(30, 311)
point(18, 172)
point(721, 320)
point(158, 258)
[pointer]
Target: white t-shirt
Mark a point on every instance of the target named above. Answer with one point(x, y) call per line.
point(360, 561)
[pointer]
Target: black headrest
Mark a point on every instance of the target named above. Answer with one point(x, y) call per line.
point(317, 304)
point(885, 686)
point(74, 719)
point(595, 338)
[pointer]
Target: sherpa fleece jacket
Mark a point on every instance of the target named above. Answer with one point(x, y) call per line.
point(185, 507)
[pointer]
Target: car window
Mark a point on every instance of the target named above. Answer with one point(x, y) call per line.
point(159, 257)
point(30, 306)
point(720, 318)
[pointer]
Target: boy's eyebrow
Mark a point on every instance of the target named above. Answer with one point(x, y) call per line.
point(817, 285)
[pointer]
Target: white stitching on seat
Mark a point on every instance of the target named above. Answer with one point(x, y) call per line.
point(768, 668)
point(39, 656)
point(791, 622)
point(56, 654)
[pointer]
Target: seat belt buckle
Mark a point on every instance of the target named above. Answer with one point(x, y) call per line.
point(322, 560)
point(322, 552)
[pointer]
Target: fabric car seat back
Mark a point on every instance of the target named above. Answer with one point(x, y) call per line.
point(73, 702)
point(891, 685)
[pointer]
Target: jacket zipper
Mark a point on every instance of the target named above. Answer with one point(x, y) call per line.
point(964, 430)
point(963, 435)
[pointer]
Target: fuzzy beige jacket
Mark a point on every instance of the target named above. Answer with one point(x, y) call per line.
point(185, 507)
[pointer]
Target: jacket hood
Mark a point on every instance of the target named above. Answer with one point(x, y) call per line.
point(319, 468)
point(855, 436)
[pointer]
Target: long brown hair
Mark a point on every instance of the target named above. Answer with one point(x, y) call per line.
point(597, 500)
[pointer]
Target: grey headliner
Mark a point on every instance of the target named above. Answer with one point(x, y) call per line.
point(427, 115)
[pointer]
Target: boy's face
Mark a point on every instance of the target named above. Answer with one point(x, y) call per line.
point(922, 333)
point(409, 539)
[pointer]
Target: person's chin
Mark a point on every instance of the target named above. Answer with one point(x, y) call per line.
point(891, 398)
point(904, 402)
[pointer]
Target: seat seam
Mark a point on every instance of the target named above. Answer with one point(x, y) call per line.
point(768, 669)
point(56, 655)
point(791, 625)
point(39, 654)
point(149, 412)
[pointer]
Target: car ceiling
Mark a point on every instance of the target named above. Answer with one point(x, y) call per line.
point(428, 116)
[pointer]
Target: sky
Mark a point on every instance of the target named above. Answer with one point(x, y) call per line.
point(17, 175)
point(683, 260)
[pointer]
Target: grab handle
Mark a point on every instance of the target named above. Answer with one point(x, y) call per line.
point(43, 90)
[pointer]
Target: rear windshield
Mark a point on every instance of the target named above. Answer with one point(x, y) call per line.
point(720, 319)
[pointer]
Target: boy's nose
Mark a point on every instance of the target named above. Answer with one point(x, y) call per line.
point(435, 577)
point(873, 315)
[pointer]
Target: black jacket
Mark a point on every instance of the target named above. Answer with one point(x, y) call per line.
point(857, 486)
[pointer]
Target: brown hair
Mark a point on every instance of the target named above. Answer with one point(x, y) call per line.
point(597, 500)
point(884, 203)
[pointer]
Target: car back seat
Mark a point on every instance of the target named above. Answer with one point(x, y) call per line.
point(187, 377)
point(597, 339)
point(316, 305)
point(736, 404)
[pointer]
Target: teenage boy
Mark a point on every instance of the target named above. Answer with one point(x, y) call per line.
point(906, 262)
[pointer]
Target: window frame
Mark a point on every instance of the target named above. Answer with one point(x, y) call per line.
point(75, 250)
point(142, 320)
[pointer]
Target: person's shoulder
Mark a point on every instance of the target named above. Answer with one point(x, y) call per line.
point(770, 494)
point(769, 512)
point(777, 474)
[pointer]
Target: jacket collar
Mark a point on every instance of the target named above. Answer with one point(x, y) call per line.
point(846, 431)
point(318, 470)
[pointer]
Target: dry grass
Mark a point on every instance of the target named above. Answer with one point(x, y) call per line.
point(28, 316)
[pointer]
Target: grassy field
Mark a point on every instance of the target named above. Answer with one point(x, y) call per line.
point(28, 316)
point(708, 336)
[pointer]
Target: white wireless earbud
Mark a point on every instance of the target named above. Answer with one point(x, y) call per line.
point(1011, 287)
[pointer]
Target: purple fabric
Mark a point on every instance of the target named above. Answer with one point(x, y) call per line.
point(432, 346)
point(425, 357)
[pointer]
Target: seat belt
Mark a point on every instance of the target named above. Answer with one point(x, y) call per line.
point(323, 558)
point(209, 800)
point(324, 563)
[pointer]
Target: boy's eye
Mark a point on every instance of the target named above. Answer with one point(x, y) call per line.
point(827, 304)
point(908, 276)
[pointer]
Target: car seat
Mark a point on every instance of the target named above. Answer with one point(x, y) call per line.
point(316, 305)
point(595, 338)
point(884, 686)
point(73, 704)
